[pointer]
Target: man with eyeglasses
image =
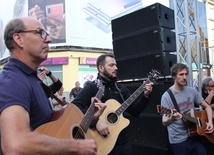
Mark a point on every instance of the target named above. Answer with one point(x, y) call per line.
point(208, 91)
point(23, 103)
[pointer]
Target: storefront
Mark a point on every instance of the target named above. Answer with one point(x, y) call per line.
point(71, 66)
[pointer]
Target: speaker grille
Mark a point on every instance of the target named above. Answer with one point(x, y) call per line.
point(144, 43)
point(137, 68)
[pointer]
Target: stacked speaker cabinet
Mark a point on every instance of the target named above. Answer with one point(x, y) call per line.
point(146, 132)
point(143, 40)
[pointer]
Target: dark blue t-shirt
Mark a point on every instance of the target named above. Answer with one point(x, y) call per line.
point(19, 85)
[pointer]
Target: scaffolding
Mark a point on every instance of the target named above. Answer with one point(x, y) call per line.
point(190, 42)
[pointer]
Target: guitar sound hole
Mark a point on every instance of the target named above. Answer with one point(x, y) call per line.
point(77, 133)
point(112, 118)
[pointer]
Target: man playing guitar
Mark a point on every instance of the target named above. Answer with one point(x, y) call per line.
point(185, 98)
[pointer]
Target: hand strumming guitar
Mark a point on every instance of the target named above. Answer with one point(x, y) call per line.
point(102, 128)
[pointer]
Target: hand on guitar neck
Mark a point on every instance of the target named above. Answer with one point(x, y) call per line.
point(171, 114)
point(100, 107)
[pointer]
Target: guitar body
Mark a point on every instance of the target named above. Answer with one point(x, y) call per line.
point(67, 126)
point(202, 115)
point(115, 124)
point(57, 114)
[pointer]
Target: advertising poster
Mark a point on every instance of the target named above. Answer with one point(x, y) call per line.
point(83, 23)
point(52, 15)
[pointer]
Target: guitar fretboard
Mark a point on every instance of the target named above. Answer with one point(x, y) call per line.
point(131, 99)
point(91, 111)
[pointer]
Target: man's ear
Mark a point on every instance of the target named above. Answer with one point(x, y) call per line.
point(18, 39)
point(101, 68)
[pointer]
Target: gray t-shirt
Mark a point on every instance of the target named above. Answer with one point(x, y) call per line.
point(185, 99)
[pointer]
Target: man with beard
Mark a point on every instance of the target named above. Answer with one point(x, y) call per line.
point(107, 68)
point(185, 97)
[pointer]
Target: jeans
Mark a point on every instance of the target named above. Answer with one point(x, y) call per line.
point(189, 147)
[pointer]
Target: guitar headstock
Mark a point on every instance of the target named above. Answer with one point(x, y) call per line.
point(153, 75)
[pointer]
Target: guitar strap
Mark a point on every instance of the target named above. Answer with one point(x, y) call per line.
point(173, 100)
point(118, 89)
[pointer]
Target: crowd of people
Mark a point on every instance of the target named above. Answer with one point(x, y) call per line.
point(26, 102)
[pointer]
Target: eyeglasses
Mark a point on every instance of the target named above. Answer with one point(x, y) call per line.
point(211, 86)
point(42, 33)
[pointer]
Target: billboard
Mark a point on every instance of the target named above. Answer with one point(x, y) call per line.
point(85, 23)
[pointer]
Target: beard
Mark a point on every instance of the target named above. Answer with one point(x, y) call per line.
point(109, 76)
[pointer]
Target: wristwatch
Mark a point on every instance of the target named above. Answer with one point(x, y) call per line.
point(49, 74)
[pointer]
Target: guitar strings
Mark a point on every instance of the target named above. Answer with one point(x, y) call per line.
point(78, 134)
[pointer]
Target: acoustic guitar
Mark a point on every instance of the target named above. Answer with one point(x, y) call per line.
point(114, 119)
point(72, 124)
point(195, 121)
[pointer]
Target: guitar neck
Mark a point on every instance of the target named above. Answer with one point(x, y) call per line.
point(58, 100)
point(131, 99)
point(90, 112)
point(189, 118)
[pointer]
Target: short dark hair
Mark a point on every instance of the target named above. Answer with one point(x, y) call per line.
point(205, 82)
point(14, 26)
point(101, 59)
point(178, 67)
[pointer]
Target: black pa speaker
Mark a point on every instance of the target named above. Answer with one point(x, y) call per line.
point(137, 68)
point(148, 135)
point(143, 43)
point(156, 15)
point(139, 149)
point(146, 132)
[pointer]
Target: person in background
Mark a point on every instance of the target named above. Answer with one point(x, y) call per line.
point(195, 82)
point(185, 97)
point(107, 74)
point(24, 105)
point(59, 94)
point(208, 91)
point(75, 91)
point(43, 73)
point(86, 82)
